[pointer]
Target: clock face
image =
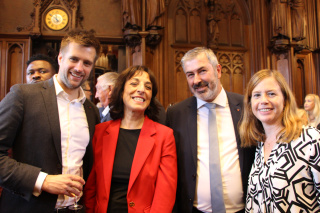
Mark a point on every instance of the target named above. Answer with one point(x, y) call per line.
point(56, 19)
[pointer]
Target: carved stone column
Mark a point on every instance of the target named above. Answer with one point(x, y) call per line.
point(140, 29)
point(36, 27)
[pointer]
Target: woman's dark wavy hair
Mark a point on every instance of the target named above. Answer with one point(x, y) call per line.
point(116, 103)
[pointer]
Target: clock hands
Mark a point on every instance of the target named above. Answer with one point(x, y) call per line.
point(56, 19)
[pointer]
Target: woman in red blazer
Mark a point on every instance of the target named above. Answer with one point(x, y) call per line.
point(135, 163)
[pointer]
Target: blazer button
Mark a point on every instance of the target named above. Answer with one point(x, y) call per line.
point(131, 204)
point(194, 176)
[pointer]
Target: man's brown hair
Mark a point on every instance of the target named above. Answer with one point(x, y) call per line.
point(82, 37)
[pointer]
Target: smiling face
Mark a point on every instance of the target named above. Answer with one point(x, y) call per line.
point(76, 62)
point(203, 79)
point(137, 92)
point(309, 103)
point(267, 102)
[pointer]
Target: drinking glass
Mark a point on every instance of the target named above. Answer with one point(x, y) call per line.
point(75, 206)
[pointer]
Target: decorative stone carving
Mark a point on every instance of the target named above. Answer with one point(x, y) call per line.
point(279, 44)
point(224, 24)
point(232, 64)
point(298, 20)
point(178, 57)
point(132, 21)
point(212, 22)
point(154, 37)
point(40, 6)
point(132, 37)
point(278, 10)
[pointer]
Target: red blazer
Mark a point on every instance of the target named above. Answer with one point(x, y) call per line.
point(153, 177)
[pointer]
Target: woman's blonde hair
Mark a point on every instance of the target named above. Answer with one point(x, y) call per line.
point(316, 110)
point(251, 129)
point(304, 116)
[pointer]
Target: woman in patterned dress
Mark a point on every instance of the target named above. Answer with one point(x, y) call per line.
point(285, 176)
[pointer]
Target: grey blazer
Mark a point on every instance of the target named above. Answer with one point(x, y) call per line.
point(182, 118)
point(29, 124)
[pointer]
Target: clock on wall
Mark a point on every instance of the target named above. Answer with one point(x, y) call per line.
point(56, 19)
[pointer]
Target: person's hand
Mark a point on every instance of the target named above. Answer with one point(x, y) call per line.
point(69, 185)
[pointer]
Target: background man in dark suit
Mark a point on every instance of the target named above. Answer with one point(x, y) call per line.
point(49, 126)
point(189, 120)
point(104, 87)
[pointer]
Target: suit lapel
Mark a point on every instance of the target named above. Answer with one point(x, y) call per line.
point(103, 119)
point(91, 119)
point(50, 101)
point(106, 118)
point(144, 147)
point(235, 109)
point(109, 145)
point(192, 128)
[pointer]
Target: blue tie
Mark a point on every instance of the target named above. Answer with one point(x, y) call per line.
point(217, 201)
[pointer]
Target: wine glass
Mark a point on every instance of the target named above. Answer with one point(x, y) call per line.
point(75, 206)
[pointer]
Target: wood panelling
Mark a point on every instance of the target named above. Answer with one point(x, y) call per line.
point(14, 54)
point(103, 16)
point(221, 28)
point(239, 31)
point(181, 28)
point(15, 64)
point(195, 26)
point(312, 32)
point(13, 14)
point(233, 71)
point(304, 76)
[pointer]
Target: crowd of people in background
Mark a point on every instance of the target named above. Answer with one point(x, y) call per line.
point(216, 151)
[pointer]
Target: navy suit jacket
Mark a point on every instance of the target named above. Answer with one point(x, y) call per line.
point(182, 118)
point(29, 124)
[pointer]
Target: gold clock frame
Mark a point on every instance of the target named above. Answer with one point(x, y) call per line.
point(56, 19)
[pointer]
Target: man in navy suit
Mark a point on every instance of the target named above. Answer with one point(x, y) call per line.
point(49, 126)
point(104, 87)
point(189, 120)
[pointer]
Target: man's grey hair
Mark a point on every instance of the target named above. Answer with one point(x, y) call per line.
point(192, 54)
point(108, 79)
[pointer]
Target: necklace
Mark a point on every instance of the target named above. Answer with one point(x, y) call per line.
point(270, 143)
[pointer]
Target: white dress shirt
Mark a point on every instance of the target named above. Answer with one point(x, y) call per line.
point(105, 111)
point(75, 137)
point(229, 157)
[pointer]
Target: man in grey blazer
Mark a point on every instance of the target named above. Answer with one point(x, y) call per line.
point(190, 121)
point(49, 126)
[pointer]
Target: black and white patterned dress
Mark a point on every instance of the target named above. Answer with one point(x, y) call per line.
point(290, 180)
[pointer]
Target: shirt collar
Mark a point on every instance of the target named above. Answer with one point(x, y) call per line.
point(60, 92)
point(220, 100)
point(105, 111)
